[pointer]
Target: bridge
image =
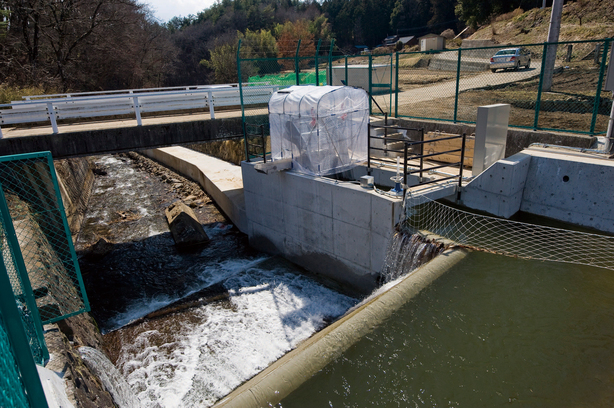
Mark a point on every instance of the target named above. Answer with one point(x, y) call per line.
point(90, 123)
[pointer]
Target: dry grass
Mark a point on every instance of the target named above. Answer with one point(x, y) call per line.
point(581, 20)
point(232, 151)
point(10, 93)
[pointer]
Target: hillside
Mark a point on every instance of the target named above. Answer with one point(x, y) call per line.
point(581, 20)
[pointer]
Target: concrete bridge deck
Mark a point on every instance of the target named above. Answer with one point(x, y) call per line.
point(112, 136)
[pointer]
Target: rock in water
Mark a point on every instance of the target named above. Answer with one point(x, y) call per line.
point(101, 248)
point(184, 225)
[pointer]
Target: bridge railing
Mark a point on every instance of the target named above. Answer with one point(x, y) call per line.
point(56, 108)
point(124, 91)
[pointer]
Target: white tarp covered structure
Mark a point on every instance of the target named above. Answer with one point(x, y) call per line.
point(323, 129)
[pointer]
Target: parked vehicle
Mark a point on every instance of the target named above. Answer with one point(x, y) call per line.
point(512, 58)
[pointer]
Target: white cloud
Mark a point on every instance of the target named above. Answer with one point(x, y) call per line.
point(165, 10)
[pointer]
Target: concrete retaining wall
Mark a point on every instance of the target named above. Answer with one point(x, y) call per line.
point(567, 186)
point(517, 139)
point(338, 230)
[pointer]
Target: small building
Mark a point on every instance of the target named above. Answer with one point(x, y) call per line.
point(432, 42)
point(409, 40)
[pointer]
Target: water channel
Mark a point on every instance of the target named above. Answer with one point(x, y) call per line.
point(492, 331)
point(233, 310)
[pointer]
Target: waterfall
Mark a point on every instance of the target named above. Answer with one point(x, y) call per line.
point(111, 378)
point(407, 252)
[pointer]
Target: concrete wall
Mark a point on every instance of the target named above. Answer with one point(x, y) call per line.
point(517, 139)
point(574, 188)
point(338, 230)
point(570, 188)
point(101, 141)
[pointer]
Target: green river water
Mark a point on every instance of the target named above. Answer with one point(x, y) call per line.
point(493, 331)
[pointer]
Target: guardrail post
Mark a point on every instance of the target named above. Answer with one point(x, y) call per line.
point(52, 117)
point(137, 110)
point(597, 101)
point(210, 104)
point(346, 70)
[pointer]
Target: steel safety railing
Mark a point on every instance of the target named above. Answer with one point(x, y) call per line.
point(413, 150)
point(107, 105)
point(258, 146)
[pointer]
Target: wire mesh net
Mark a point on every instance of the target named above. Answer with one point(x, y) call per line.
point(451, 84)
point(37, 216)
point(505, 237)
point(22, 290)
point(11, 389)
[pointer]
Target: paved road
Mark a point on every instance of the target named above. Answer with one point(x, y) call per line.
point(448, 89)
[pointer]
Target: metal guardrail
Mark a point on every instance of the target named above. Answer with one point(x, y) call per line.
point(410, 144)
point(106, 105)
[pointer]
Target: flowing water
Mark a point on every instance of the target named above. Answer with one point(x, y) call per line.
point(221, 313)
point(492, 331)
point(109, 375)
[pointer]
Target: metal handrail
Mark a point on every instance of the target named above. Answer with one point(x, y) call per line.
point(407, 143)
point(261, 146)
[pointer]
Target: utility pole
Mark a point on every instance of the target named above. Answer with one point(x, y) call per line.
point(553, 37)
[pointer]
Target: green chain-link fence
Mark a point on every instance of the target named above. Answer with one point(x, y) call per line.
point(37, 216)
point(40, 281)
point(450, 84)
point(12, 393)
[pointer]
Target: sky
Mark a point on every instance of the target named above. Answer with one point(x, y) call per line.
point(164, 10)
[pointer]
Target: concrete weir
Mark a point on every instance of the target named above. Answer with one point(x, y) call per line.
point(289, 372)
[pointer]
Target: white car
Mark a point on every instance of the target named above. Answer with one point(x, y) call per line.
point(512, 58)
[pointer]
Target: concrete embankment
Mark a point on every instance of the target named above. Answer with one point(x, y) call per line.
point(221, 180)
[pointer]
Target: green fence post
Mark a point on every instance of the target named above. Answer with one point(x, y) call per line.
point(539, 87)
point(597, 102)
point(318, 65)
point(370, 83)
point(396, 88)
point(390, 87)
point(19, 342)
point(296, 62)
point(330, 61)
point(20, 266)
point(458, 69)
point(242, 104)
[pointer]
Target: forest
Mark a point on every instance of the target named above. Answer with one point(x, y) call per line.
point(91, 45)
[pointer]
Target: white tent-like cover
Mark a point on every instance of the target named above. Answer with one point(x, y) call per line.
point(323, 129)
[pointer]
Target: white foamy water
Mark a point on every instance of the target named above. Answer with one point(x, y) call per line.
point(210, 275)
point(194, 359)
